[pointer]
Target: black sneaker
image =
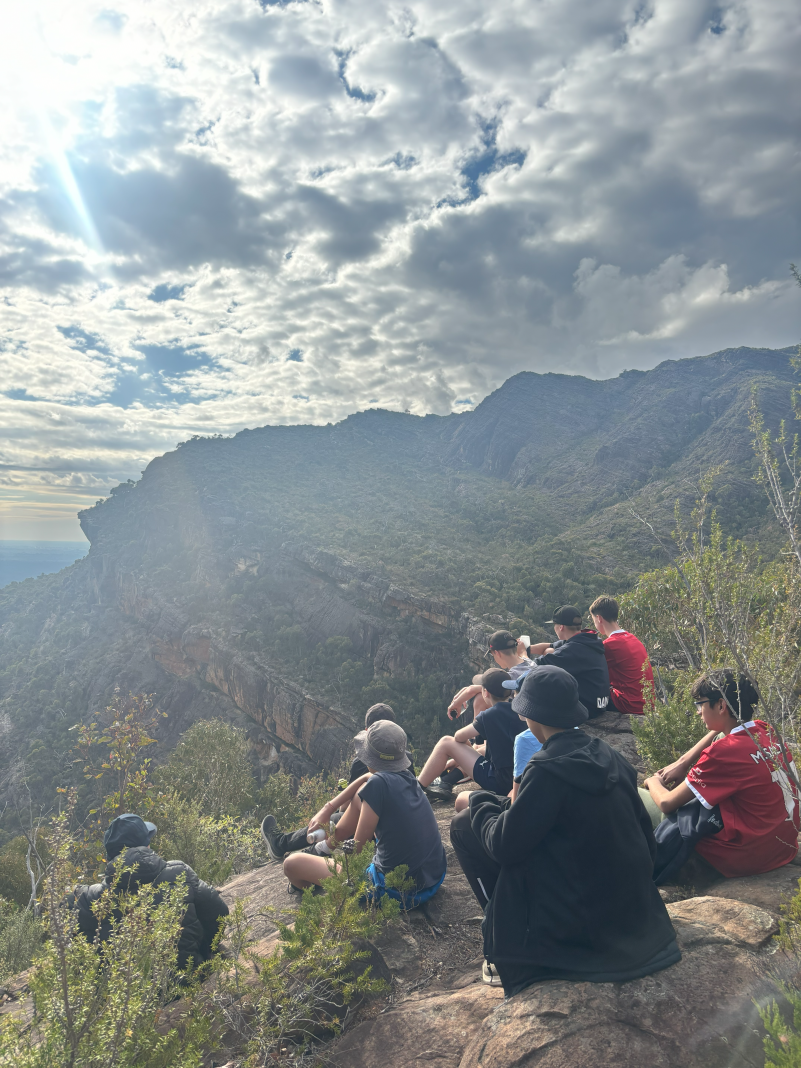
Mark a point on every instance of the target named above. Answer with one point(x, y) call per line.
point(270, 833)
point(439, 790)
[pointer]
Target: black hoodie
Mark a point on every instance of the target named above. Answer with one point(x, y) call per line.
point(204, 906)
point(584, 658)
point(575, 898)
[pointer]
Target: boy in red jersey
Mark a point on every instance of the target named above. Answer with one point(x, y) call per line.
point(626, 658)
point(744, 774)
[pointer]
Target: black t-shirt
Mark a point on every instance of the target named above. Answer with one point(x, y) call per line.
point(407, 831)
point(500, 726)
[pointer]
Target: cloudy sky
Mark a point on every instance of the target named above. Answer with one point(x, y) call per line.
point(228, 213)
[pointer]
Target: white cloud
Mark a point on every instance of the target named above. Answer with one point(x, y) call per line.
point(210, 213)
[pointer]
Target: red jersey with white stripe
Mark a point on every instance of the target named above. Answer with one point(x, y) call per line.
point(757, 799)
point(625, 657)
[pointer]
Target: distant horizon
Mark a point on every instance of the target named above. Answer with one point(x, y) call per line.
point(45, 541)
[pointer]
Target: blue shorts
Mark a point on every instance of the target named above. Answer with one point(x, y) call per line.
point(409, 901)
point(484, 774)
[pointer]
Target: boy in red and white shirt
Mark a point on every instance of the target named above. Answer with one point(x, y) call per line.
point(748, 773)
point(626, 658)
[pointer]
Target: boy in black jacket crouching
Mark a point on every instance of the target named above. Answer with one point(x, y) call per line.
point(565, 873)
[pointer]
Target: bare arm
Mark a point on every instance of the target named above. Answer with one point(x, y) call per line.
point(668, 800)
point(464, 734)
point(323, 817)
point(678, 769)
point(459, 702)
point(368, 821)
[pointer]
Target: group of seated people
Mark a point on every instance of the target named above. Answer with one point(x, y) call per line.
point(562, 850)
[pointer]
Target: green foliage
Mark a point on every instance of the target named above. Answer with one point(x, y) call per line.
point(670, 727)
point(293, 801)
point(210, 767)
point(783, 1041)
point(20, 938)
point(112, 750)
point(299, 995)
point(97, 1005)
point(15, 883)
point(721, 605)
point(215, 848)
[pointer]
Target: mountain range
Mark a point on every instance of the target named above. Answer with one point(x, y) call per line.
point(288, 577)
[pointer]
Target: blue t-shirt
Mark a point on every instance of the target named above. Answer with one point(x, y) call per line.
point(526, 745)
point(407, 831)
point(500, 726)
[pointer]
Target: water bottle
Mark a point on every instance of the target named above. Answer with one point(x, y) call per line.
point(316, 836)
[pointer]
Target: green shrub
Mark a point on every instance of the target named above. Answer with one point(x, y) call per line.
point(304, 988)
point(215, 848)
point(293, 801)
point(671, 728)
point(21, 936)
point(210, 766)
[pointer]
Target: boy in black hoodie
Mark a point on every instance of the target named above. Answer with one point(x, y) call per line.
point(581, 652)
point(566, 872)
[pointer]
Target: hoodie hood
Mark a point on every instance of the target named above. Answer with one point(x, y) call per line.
point(588, 640)
point(126, 831)
point(585, 763)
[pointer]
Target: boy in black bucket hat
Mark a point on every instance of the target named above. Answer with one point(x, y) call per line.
point(565, 874)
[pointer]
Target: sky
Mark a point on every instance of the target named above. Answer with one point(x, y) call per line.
point(230, 213)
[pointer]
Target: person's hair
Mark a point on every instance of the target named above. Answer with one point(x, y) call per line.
point(738, 691)
point(377, 712)
point(605, 607)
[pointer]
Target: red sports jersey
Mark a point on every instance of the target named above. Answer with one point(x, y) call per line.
point(625, 656)
point(758, 802)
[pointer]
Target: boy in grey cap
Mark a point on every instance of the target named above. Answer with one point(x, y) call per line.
point(387, 803)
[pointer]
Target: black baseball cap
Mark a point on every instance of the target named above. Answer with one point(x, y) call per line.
point(501, 640)
point(566, 616)
point(549, 695)
point(493, 681)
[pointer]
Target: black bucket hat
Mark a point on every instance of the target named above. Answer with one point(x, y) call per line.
point(549, 695)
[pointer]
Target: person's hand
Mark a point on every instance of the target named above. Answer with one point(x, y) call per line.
point(522, 648)
point(454, 709)
point(320, 819)
point(672, 773)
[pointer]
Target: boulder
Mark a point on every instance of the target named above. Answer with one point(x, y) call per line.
point(431, 1028)
point(699, 1013)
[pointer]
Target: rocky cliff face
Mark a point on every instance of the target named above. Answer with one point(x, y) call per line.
point(216, 580)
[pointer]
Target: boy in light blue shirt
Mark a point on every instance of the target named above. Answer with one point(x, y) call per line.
point(526, 745)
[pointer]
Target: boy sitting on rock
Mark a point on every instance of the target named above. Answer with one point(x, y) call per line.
point(498, 725)
point(387, 804)
point(566, 872)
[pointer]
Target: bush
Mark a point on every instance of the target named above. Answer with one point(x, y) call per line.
point(293, 802)
point(214, 848)
point(21, 936)
point(671, 728)
point(210, 766)
point(97, 1005)
point(302, 991)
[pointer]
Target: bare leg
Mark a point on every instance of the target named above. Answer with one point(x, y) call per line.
point(447, 748)
point(303, 869)
point(462, 800)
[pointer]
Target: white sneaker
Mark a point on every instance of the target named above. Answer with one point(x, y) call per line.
point(489, 974)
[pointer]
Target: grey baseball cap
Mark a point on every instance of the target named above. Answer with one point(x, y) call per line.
point(382, 746)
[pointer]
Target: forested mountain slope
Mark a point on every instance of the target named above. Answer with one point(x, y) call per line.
point(291, 576)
